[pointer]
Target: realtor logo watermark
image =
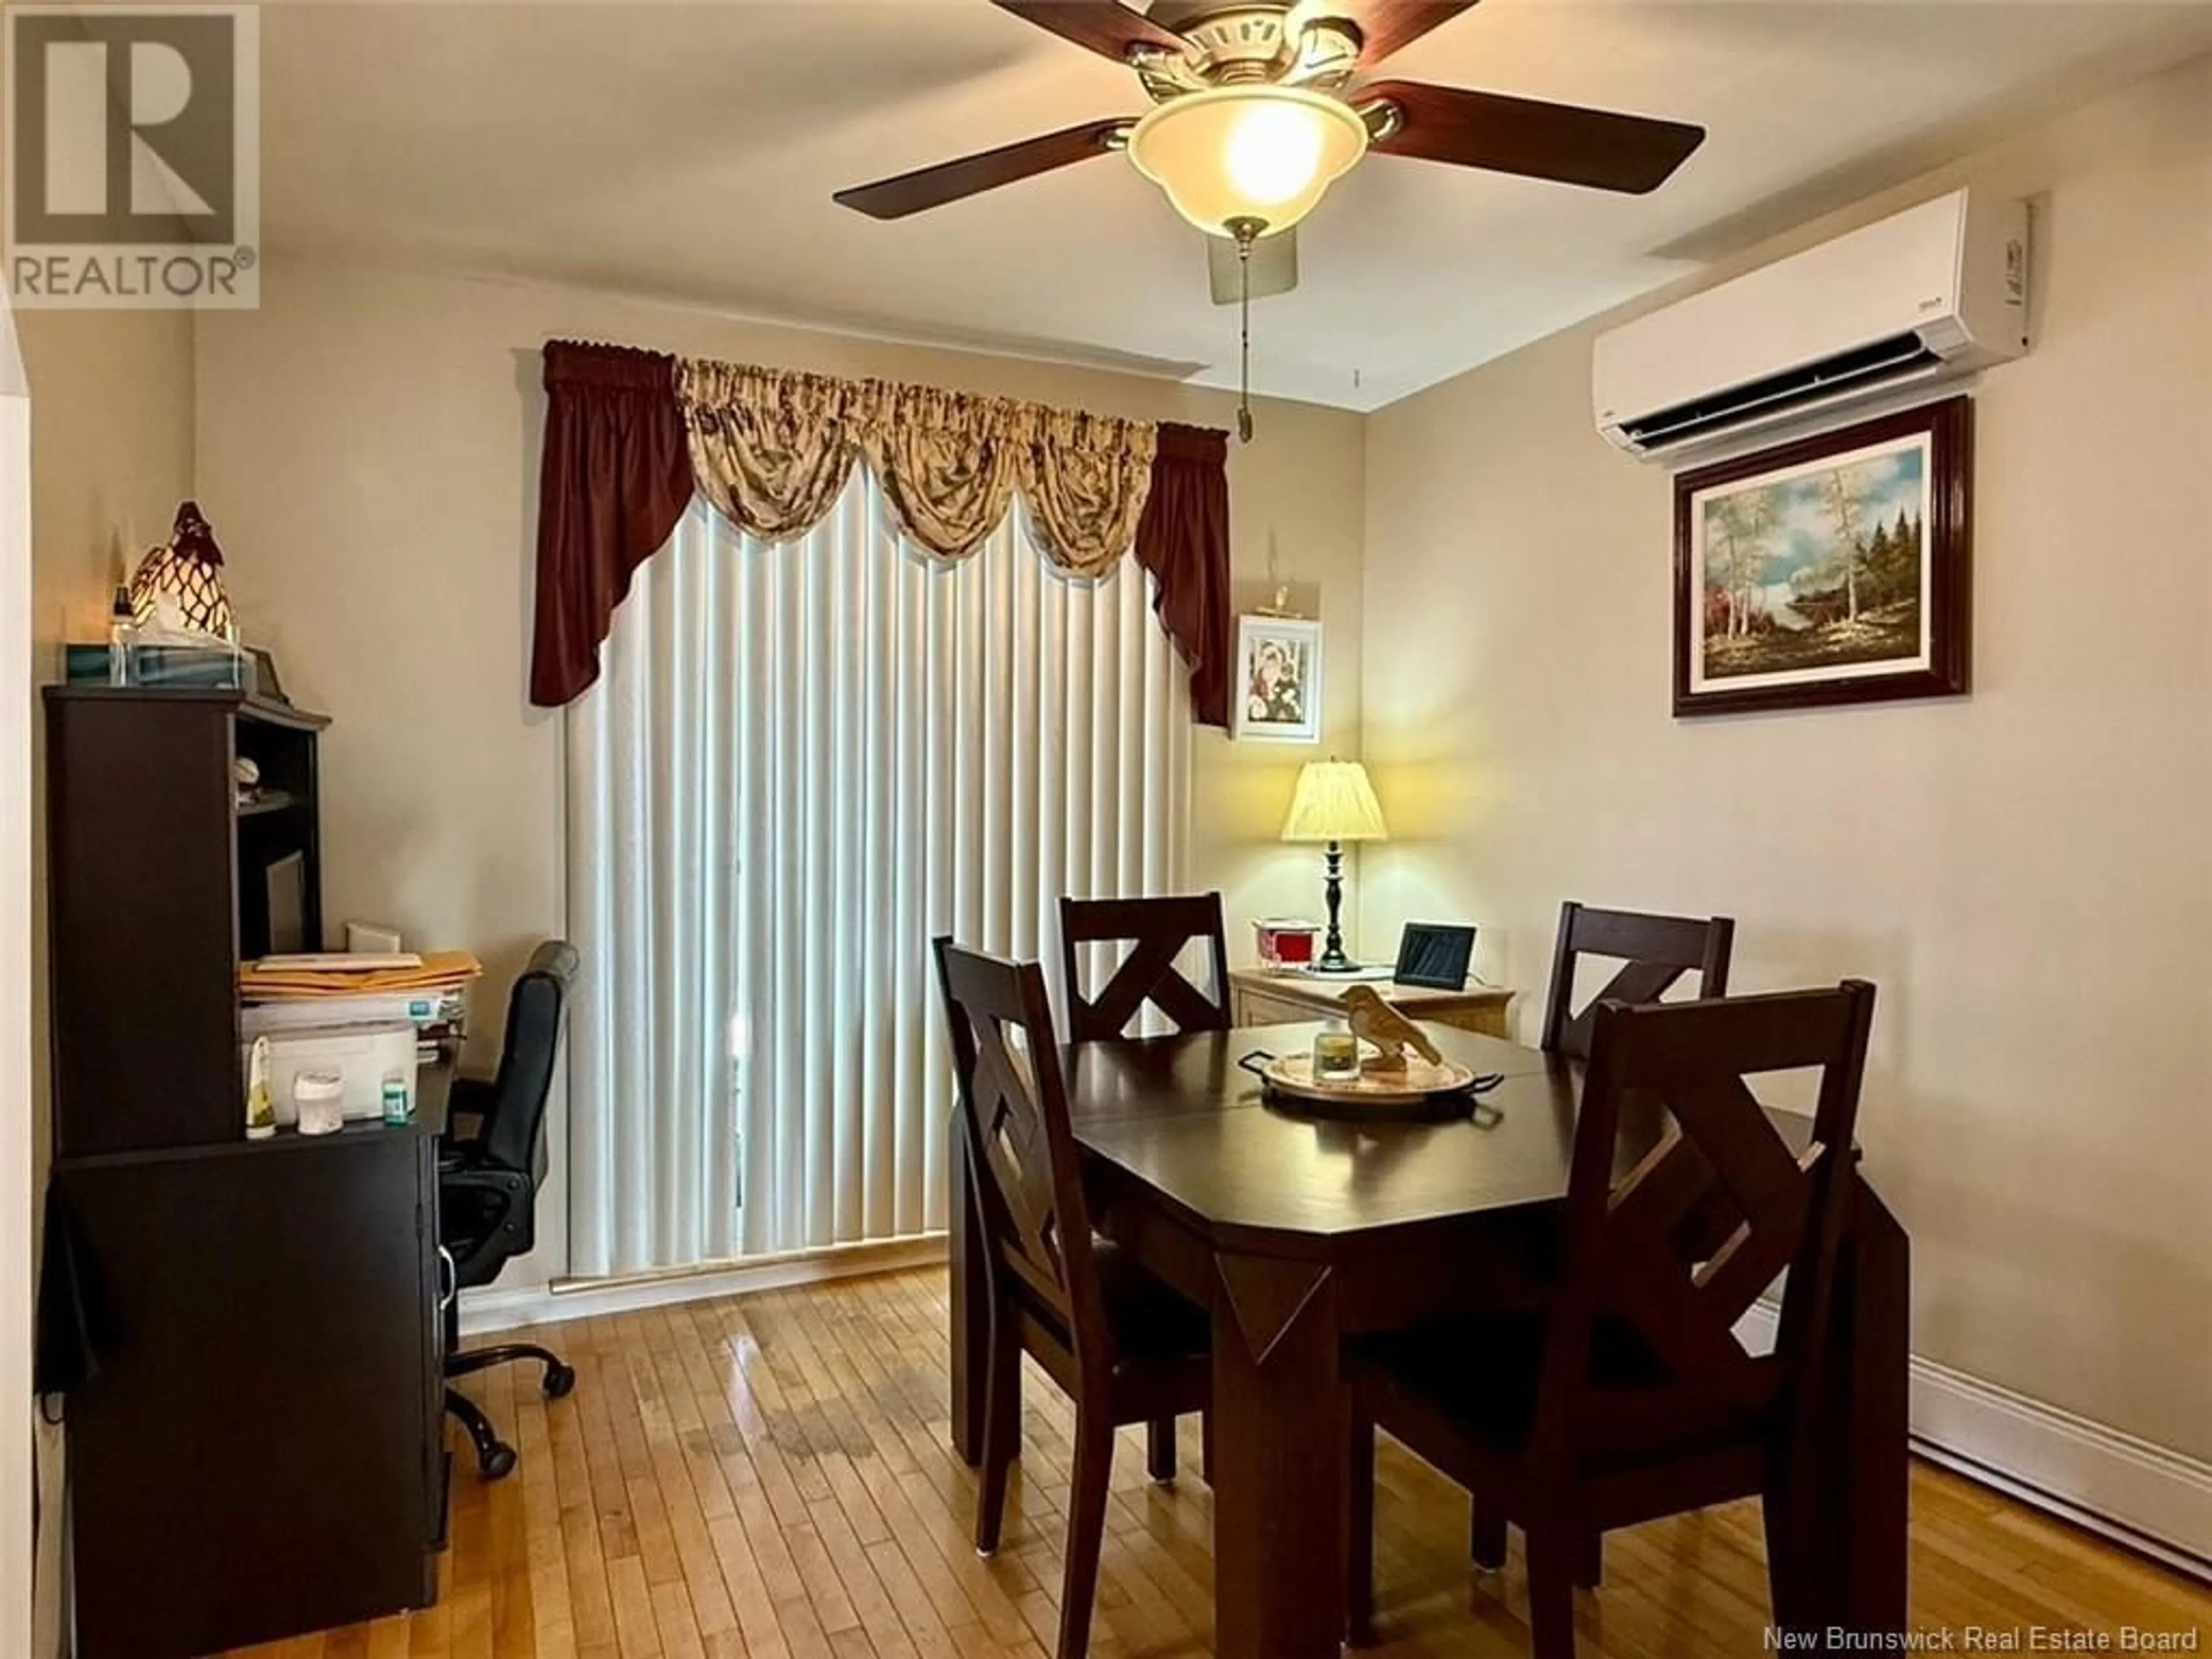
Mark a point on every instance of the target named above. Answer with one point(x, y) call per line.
point(1990, 1638)
point(133, 171)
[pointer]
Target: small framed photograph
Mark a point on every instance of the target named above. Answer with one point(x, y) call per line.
point(1831, 570)
point(1278, 679)
point(1434, 956)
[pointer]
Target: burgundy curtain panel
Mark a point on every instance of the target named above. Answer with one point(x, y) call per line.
point(614, 477)
point(1184, 540)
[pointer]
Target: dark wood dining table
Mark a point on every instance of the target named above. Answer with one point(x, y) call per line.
point(1296, 1233)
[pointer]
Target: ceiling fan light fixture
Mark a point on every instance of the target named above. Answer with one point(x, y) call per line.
point(1260, 153)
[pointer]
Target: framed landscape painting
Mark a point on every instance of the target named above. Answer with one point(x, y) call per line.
point(1277, 686)
point(1831, 570)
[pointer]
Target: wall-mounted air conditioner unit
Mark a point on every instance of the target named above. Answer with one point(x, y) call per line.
point(1938, 290)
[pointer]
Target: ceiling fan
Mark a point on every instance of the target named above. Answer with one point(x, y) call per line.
point(1258, 105)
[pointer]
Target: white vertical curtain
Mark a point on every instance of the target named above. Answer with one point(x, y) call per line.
point(802, 762)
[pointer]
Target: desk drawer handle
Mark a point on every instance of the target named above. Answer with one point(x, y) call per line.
point(450, 1278)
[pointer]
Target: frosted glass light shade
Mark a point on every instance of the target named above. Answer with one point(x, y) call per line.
point(1266, 153)
point(1334, 802)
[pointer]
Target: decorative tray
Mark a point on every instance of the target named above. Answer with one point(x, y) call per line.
point(1420, 1089)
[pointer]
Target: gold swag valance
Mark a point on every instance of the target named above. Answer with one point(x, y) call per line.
point(771, 450)
point(632, 436)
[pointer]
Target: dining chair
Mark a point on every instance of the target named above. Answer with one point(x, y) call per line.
point(1124, 1346)
point(1157, 931)
point(1654, 952)
point(1629, 1396)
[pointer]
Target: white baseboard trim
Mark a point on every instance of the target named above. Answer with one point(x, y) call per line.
point(2147, 1497)
point(494, 1308)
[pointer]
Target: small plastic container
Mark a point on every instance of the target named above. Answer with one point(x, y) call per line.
point(1285, 944)
point(319, 1099)
point(398, 1099)
point(260, 1104)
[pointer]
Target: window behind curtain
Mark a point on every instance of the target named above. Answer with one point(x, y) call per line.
point(801, 763)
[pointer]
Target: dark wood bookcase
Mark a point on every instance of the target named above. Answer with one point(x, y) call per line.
point(157, 880)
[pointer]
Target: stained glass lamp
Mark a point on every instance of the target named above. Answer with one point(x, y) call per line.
point(188, 574)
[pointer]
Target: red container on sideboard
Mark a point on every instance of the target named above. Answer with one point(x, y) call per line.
point(1286, 942)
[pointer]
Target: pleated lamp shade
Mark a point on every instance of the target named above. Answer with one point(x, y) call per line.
point(1334, 802)
point(188, 571)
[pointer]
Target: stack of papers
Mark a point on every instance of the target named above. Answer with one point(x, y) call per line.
point(322, 994)
point(284, 979)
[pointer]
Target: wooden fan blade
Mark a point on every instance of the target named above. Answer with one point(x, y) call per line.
point(1387, 26)
point(1105, 27)
point(971, 175)
point(1594, 147)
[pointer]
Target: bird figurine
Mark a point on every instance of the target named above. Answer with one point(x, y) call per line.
point(1374, 1020)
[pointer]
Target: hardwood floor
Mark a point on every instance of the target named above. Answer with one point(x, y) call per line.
point(768, 1477)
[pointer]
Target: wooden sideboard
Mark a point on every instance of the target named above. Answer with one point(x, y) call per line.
point(1258, 997)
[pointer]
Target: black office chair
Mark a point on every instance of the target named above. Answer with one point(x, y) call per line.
point(488, 1182)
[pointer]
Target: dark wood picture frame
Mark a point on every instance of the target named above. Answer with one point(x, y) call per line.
point(1948, 427)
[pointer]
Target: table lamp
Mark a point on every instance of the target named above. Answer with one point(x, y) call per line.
point(1334, 803)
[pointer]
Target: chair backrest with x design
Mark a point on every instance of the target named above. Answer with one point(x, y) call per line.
point(1714, 1206)
point(1157, 931)
point(1653, 952)
point(1026, 1168)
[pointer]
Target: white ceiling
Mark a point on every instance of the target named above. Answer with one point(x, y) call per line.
point(689, 151)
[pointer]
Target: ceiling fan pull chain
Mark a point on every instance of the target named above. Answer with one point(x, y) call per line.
point(1246, 231)
point(1244, 364)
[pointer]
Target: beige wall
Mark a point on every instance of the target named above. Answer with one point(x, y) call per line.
point(2027, 872)
point(110, 457)
point(368, 450)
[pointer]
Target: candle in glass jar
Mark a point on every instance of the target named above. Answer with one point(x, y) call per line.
point(1335, 1054)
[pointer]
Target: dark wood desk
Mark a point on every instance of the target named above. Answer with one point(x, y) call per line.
point(1296, 1233)
point(260, 1452)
